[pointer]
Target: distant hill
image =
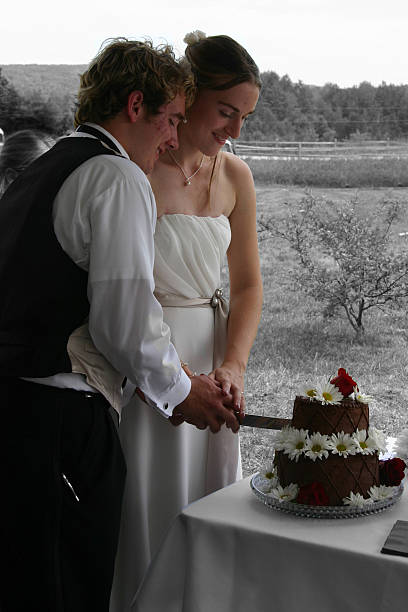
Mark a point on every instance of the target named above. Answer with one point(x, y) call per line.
point(57, 80)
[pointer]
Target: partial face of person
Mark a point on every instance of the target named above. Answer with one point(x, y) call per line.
point(157, 133)
point(217, 116)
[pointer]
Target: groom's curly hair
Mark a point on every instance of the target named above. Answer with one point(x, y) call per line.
point(123, 66)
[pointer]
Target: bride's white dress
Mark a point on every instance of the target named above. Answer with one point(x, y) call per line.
point(169, 467)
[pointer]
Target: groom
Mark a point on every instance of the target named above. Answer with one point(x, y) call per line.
point(76, 242)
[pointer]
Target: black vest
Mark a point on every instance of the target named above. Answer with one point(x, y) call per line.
point(43, 293)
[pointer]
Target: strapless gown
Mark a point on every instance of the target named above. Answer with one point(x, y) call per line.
point(169, 467)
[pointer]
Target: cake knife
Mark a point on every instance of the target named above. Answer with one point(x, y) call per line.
point(255, 420)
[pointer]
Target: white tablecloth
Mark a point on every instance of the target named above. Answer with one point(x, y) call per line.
point(229, 553)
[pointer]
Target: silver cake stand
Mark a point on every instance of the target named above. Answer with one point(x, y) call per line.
point(322, 512)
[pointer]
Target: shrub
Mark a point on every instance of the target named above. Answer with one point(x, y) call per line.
point(347, 262)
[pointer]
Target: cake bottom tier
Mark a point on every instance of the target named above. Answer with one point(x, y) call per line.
point(338, 475)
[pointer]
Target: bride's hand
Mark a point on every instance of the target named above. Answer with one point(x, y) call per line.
point(231, 381)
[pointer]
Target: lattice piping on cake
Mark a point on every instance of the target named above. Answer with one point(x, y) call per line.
point(322, 414)
point(328, 478)
point(356, 478)
point(367, 466)
point(359, 420)
point(317, 414)
point(346, 414)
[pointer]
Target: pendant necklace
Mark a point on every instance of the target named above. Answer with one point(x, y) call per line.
point(187, 179)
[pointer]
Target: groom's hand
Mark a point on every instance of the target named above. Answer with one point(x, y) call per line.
point(206, 406)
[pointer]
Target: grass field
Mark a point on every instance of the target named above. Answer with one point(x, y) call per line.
point(295, 345)
point(338, 173)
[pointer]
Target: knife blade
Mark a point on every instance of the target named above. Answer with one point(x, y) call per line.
point(255, 420)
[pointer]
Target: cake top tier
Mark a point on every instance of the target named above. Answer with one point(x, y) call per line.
point(333, 406)
point(348, 416)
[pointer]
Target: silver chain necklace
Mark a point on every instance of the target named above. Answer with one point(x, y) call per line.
point(187, 180)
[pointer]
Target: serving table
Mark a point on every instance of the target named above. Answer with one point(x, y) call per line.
point(230, 553)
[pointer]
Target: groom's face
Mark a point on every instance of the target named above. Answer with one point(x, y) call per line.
point(157, 133)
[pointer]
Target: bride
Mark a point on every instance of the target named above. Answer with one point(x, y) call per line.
point(206, 209)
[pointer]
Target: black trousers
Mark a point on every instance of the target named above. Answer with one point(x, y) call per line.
point(57, 446)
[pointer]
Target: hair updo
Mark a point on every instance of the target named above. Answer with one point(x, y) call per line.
point(219, 62)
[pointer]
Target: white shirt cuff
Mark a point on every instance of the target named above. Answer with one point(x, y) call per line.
point(172, 397)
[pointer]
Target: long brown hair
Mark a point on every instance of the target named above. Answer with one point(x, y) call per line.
point(219, 62)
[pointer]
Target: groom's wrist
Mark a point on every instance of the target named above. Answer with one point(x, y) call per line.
point(172, 396)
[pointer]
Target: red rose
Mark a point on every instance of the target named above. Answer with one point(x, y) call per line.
point(392, 472)
point(344, 382)
point(313, 495)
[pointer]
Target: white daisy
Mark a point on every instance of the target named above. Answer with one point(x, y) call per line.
point(356, 500)
point(269, 471)
point(381, 492)
point(328, 394)
point(358, 396)
point(296, 443)
point(308, 391)
point(269, 479)
point(288, 493)
point(364, 445)
point(281, 438)
point(317, 446)
point(342, 444)
point(378, 438)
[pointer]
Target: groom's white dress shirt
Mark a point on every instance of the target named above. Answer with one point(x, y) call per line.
point(104, 218)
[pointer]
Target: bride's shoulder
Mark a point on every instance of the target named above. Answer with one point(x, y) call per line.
point(236, 169)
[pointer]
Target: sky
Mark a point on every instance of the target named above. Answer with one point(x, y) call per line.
point(314, 41)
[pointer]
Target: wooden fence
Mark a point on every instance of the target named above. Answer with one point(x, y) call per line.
point(375, 149)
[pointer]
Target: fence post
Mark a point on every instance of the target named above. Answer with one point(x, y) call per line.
point(299, 149)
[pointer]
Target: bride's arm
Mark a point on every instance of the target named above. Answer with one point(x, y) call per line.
point(245, 282)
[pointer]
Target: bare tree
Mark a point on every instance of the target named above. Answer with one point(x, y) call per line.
point(346, 262)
